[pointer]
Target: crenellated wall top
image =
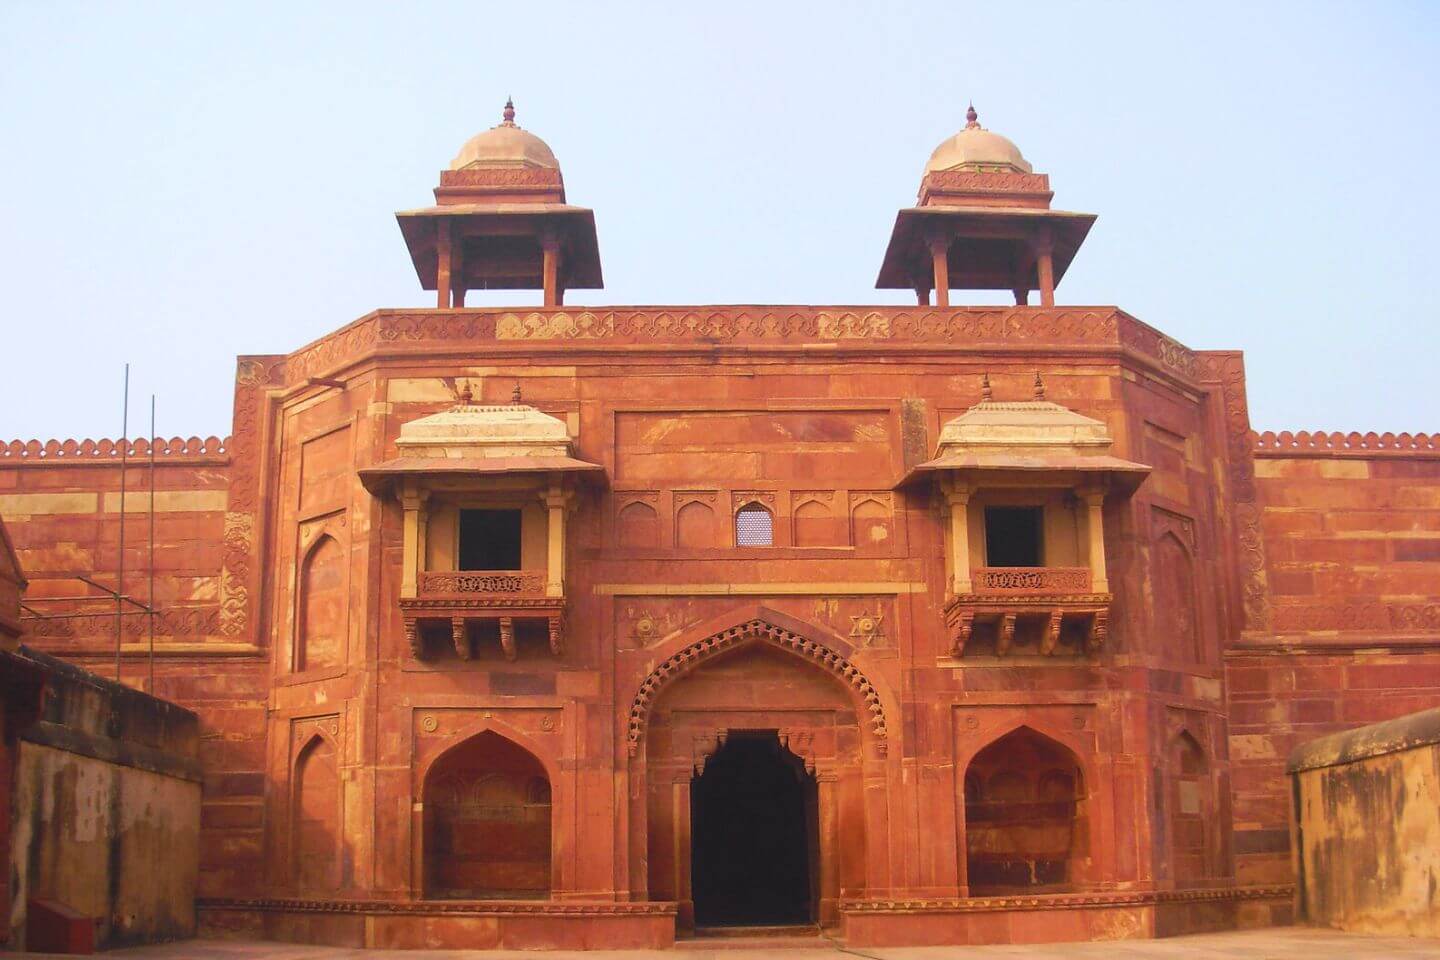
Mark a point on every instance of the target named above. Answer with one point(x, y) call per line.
point(91, 452)
point(709, 327)
point(1351, 445)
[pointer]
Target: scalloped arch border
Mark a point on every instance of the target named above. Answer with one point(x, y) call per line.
point(752, 630)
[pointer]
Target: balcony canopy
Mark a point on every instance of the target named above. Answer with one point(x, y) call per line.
point(473, 439)
point(1028, 437)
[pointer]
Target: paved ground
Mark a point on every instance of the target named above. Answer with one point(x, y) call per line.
point(1281, 944)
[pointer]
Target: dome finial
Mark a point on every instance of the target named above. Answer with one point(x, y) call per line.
point(985, 395)
point(465, 395)
point(972, 119)
point(515, 394)
point(1039, 387)
point(508, 114)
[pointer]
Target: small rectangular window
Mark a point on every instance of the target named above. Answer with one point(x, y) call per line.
point(489, 539)
point(1013, 536)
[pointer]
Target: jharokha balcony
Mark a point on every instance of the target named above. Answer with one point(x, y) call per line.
point(1051, 610)
point(1023, 486)
point(456, 598)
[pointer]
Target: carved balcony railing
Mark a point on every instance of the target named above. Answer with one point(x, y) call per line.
point(469, 583)
point(1037, 610)
point(458, 597)
point(1031, 580)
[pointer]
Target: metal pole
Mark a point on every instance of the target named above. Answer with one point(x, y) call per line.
point(120, 559)
point(150, 599)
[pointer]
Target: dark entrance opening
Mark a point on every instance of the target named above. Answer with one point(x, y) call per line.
point(1013, 536)
point(754, 835)
point(489, 539)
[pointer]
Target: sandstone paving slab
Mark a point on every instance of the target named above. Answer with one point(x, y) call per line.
point(1275, 944)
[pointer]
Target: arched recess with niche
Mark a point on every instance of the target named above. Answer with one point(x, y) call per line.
point(316, 816)
point(1188, 801)
point(817, 526)
point(638, 525)
point(487, 822)
point(1026, 816)
point(872, 526)
point(322, 606)
point(695, 526)
point(726, 679)
point(1177, 618)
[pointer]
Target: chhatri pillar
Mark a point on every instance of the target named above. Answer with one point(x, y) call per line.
point(982, 222)
point(500, 222)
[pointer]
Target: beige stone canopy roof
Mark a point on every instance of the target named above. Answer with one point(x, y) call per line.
point(974, 146)
point(488, 439)
point(1028, 436)
point(505, 144)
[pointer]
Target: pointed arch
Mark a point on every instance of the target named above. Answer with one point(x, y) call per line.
point(1189, 803)
point(754, 525)
point(815, 525)
point(638, 525)
point(695, 526)
point(316, 815)
point(765, 627)
point(1029, 827)
point(487, 821)
point(872, 526)
point(321, 607)
point(1176, 606)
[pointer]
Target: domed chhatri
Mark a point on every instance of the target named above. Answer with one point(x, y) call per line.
point(975, 148)
point(506, 144)
point(982, 221)
point(501, 222)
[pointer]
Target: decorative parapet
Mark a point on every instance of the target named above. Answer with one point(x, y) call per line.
point(472, 582)
point(974, 328)
point(1336, 444)
point(52, 452)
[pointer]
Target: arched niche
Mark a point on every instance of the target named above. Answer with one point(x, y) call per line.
point(322, 606)
point(1188, 802)
point(872, 527)
point(1026, 827)
point(316, 815)
point(638, 525)
point(695, 526)
point(1176, 611)
point(487, 822)
point(817, 526)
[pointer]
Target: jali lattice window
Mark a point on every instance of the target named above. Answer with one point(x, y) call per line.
point(754, 527)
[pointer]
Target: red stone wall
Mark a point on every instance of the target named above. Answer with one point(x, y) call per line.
point(1352, 548)
point(61, 504)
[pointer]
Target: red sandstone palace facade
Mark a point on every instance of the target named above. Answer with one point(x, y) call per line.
point(569, 626)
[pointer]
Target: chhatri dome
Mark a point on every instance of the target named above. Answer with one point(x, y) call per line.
point(976, 148)
point(505, 144)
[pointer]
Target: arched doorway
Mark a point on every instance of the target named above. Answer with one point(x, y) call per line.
point(753, 677)
point(487, 822)
point(1188, 802)
point(754, 835)
point(1025, 817)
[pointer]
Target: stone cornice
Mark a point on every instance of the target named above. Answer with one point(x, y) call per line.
point(1064, 901)
point(754, 328)
point(491, 908)
point(106, 453)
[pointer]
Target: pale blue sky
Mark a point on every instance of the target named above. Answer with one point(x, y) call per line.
point(185, 182)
